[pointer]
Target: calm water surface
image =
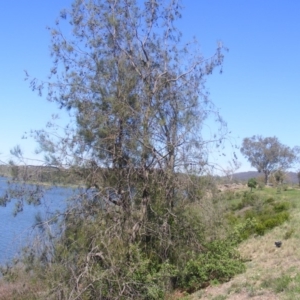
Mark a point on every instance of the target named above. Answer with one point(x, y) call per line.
point(16, 231)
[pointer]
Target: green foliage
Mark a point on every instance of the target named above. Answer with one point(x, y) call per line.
point(242, 230)
point(270, 200)
point(286, 284)
point(237, 194)
point(252, 183)
point(145, 218)
point(248, 199)
point(267, 218)
point(281, 206)
point(264, 213)
point(98, 251)
point(229, 195)
point(232, 218)
point(260, 229)
point(220, 261)
point(275, 220)
point(268, 154)
point(281, 283)
point(197, 186)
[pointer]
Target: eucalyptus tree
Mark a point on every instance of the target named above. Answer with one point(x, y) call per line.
point(268, 154)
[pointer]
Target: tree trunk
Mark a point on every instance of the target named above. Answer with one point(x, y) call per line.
point(266, 178)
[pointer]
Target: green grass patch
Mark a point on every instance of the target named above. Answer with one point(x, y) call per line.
point(267, 208)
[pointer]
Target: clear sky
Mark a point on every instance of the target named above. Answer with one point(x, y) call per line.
point(257, 93)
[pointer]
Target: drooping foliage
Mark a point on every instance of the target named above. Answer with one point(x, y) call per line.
point(135, 93)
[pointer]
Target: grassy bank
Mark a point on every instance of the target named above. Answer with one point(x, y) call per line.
point(271, 272)
point(255, 221)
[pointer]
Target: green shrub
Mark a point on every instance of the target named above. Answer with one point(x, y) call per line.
point(267, 213)
point(171, 251)
point(234, 206)
point(260, 229)
point(282, 206)
point(221, 261)
point(229, 195)
point(268, 222)
point(232, 218)
point(283, 216)
point(249, 214)
point(270, 200)
point(248, 199)
point(242, 230)
point(252, 183)
point(272, 222)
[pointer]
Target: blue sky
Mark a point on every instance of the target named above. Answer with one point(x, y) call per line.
point(257, 93)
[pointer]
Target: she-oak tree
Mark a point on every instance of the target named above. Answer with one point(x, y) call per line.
point(137, 96)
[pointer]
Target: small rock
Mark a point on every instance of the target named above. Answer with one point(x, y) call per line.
point(278, 244)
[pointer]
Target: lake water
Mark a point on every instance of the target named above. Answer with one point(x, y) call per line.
point(16, 231)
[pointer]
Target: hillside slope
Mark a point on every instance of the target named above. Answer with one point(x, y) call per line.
point(272, 273)
point(291, 177)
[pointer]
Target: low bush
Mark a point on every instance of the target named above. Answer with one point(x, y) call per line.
point(229, 195)
point(270, 200)
point(268, 213)
point(96, 258)
point(267, 222)
point(260, 229)
point(221, 261)
point(282, 206)
point(248, 199)
point(242, 230)
point(232, 219)
point(252, 183)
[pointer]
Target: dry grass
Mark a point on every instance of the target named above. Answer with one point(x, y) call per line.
point(18, 291)
point(21, 287)
point(9, 291)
